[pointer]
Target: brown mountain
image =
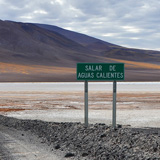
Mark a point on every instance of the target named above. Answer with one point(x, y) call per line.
point(22, 43)
point(107, 49)
point(30, 52)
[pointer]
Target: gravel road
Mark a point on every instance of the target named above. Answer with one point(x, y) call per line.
point(21, 145)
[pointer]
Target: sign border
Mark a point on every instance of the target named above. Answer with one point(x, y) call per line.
point(97, 79)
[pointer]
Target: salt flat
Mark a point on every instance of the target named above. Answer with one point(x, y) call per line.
point(138, 103)
point(79, 86)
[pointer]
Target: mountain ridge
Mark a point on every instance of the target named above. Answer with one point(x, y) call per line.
point(32, 53)
point(31, 43)
point(105, 49)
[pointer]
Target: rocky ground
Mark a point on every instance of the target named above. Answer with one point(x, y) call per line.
point(95, 142)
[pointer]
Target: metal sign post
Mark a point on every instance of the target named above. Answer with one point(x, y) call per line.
point(114, 104)
point(86, 103)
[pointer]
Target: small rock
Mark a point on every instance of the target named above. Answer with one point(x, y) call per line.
point(119, 126)
point(69, 155)
point(102, 124)
point(103, 135)
point(84, 154)
point(155, 147)
point(57, 146)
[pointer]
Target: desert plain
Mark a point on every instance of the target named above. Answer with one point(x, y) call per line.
point(138, 103)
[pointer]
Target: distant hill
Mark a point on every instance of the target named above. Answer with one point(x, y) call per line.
point(77, 37)
point(28, 44)
point(107, 49)
point(38, 52)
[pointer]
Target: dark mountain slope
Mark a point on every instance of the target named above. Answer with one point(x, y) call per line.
point(29, 44)
point(91, 43)
point(136, 55)
point(77, 37)
point(107, 49)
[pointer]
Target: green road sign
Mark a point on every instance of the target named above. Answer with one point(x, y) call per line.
point(100, 71)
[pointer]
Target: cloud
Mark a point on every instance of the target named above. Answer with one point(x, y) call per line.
point(128, 23)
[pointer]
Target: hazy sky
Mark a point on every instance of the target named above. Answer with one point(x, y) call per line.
point(130, 23)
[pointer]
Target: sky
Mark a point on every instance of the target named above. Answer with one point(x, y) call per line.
point(129, 23)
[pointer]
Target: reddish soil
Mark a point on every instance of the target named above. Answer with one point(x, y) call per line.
point(10, 109)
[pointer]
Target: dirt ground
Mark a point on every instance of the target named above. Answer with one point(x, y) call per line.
point(18, 101)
